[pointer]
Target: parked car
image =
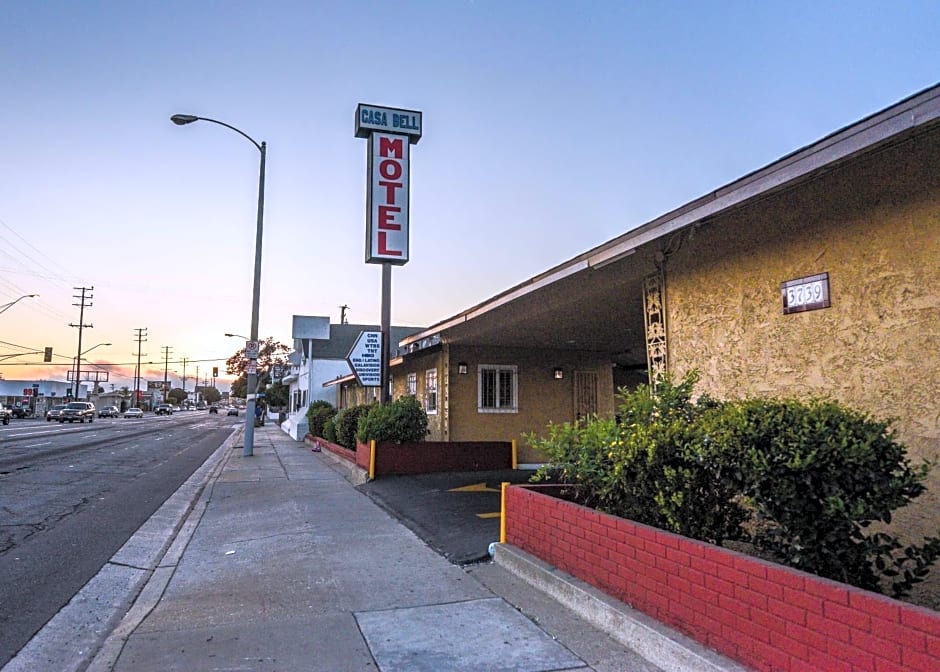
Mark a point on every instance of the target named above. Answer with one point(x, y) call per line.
point(21, 411)
point(109, 412)
point(233, 411)
point(163, 409)
point(5, 414)
point(133, 413)
point(77, 410)
point(53, 413)
point(213, 409)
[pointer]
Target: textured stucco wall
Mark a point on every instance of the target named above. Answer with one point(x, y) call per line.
point(541, 398)
point(874, 226)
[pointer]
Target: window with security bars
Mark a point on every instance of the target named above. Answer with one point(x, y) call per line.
point(430, 391)
point(497, 389)
point(413, 384)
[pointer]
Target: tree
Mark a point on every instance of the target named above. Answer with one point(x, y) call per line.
point(176, 396)
point(277, 395)
point(270, 353)
point(211, 395)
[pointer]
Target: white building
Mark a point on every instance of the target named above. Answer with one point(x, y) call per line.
point(319, 357)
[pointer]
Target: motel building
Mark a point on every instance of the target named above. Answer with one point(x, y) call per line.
point(815, 276)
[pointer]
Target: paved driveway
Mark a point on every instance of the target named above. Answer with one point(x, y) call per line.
point(457, 514)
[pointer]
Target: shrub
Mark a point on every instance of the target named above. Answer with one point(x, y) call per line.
point(656, 464)
point(818, 475)
point(317, 414)
point(401, 420)
point(346, 422)
point(807, 478)
point(329, 430)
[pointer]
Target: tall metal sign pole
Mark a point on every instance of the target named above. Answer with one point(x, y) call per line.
point(390, 133)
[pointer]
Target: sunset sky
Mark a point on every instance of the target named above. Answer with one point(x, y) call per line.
point(549, 128)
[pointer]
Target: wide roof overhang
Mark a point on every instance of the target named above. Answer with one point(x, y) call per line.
point(593, 301)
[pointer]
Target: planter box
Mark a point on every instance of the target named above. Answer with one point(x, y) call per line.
point(765, 615)
point(425, 457)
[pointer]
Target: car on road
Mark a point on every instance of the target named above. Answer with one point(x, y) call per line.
point(133, 413)
point(213, 409)
point(77, 410)
point(163, 409)
point(109, 412)
point(233, 411)
point(20, 411)
point(5, 414)
point(53, 413)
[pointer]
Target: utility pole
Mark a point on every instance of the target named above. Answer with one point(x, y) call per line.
point(141, 338)
point(166, 371)
point(184, 379)
point(196, 391)
point(83, 297)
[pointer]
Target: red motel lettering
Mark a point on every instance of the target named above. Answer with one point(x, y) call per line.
point(389, 196)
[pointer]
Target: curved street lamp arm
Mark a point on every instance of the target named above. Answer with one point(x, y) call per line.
point(182, 119)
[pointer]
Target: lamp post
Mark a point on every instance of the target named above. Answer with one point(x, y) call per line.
point(6, 306)
point(249, 440)
point(78, 366)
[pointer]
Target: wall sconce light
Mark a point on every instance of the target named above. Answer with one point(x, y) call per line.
point(462, 368)
point(559, 373)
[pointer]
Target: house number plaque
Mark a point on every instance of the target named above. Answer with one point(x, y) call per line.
point(802, 294)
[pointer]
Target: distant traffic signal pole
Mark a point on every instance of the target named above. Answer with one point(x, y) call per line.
point(182, 120)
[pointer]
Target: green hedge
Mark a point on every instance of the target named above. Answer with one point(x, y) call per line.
point(401, 420)
point(318, 413)
point(346, 423)
point(802, 481)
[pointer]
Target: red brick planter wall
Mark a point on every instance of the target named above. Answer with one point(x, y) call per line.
point(425, 457)
point(764, 615)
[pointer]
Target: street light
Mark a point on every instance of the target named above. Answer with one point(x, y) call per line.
point(236, 336)
point(78, 366)
point(182, 120)
point(6, 306)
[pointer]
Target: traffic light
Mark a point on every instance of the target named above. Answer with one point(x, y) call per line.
point(47, 355)
point(215, 372)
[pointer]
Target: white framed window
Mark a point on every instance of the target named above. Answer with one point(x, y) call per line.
point(497, 389)
point(413, 384)
point(430, 391)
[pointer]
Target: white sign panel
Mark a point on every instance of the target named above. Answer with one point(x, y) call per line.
point(387, 196)
point(365, 358)
point(251, 349)
point(371, 118)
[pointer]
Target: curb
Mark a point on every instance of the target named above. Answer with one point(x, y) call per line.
point(660, 645)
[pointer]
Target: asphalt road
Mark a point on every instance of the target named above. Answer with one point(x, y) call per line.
point(456, 514)
point(71, 495)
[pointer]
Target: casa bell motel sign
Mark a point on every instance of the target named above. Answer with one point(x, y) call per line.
point(390, 133)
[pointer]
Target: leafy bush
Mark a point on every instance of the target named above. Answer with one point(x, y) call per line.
point(656, 464)
point(801, 481)
point(317, 414)
point(346, 423)
point(401, 420)
point(329, 430)
point(818, 474)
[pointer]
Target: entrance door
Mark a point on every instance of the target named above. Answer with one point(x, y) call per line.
point(585, 394)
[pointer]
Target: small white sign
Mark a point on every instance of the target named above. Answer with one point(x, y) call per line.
point(252, 366)
point(252, 349)
point(365, 358)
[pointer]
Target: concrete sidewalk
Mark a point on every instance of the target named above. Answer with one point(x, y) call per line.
point(281, 564)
